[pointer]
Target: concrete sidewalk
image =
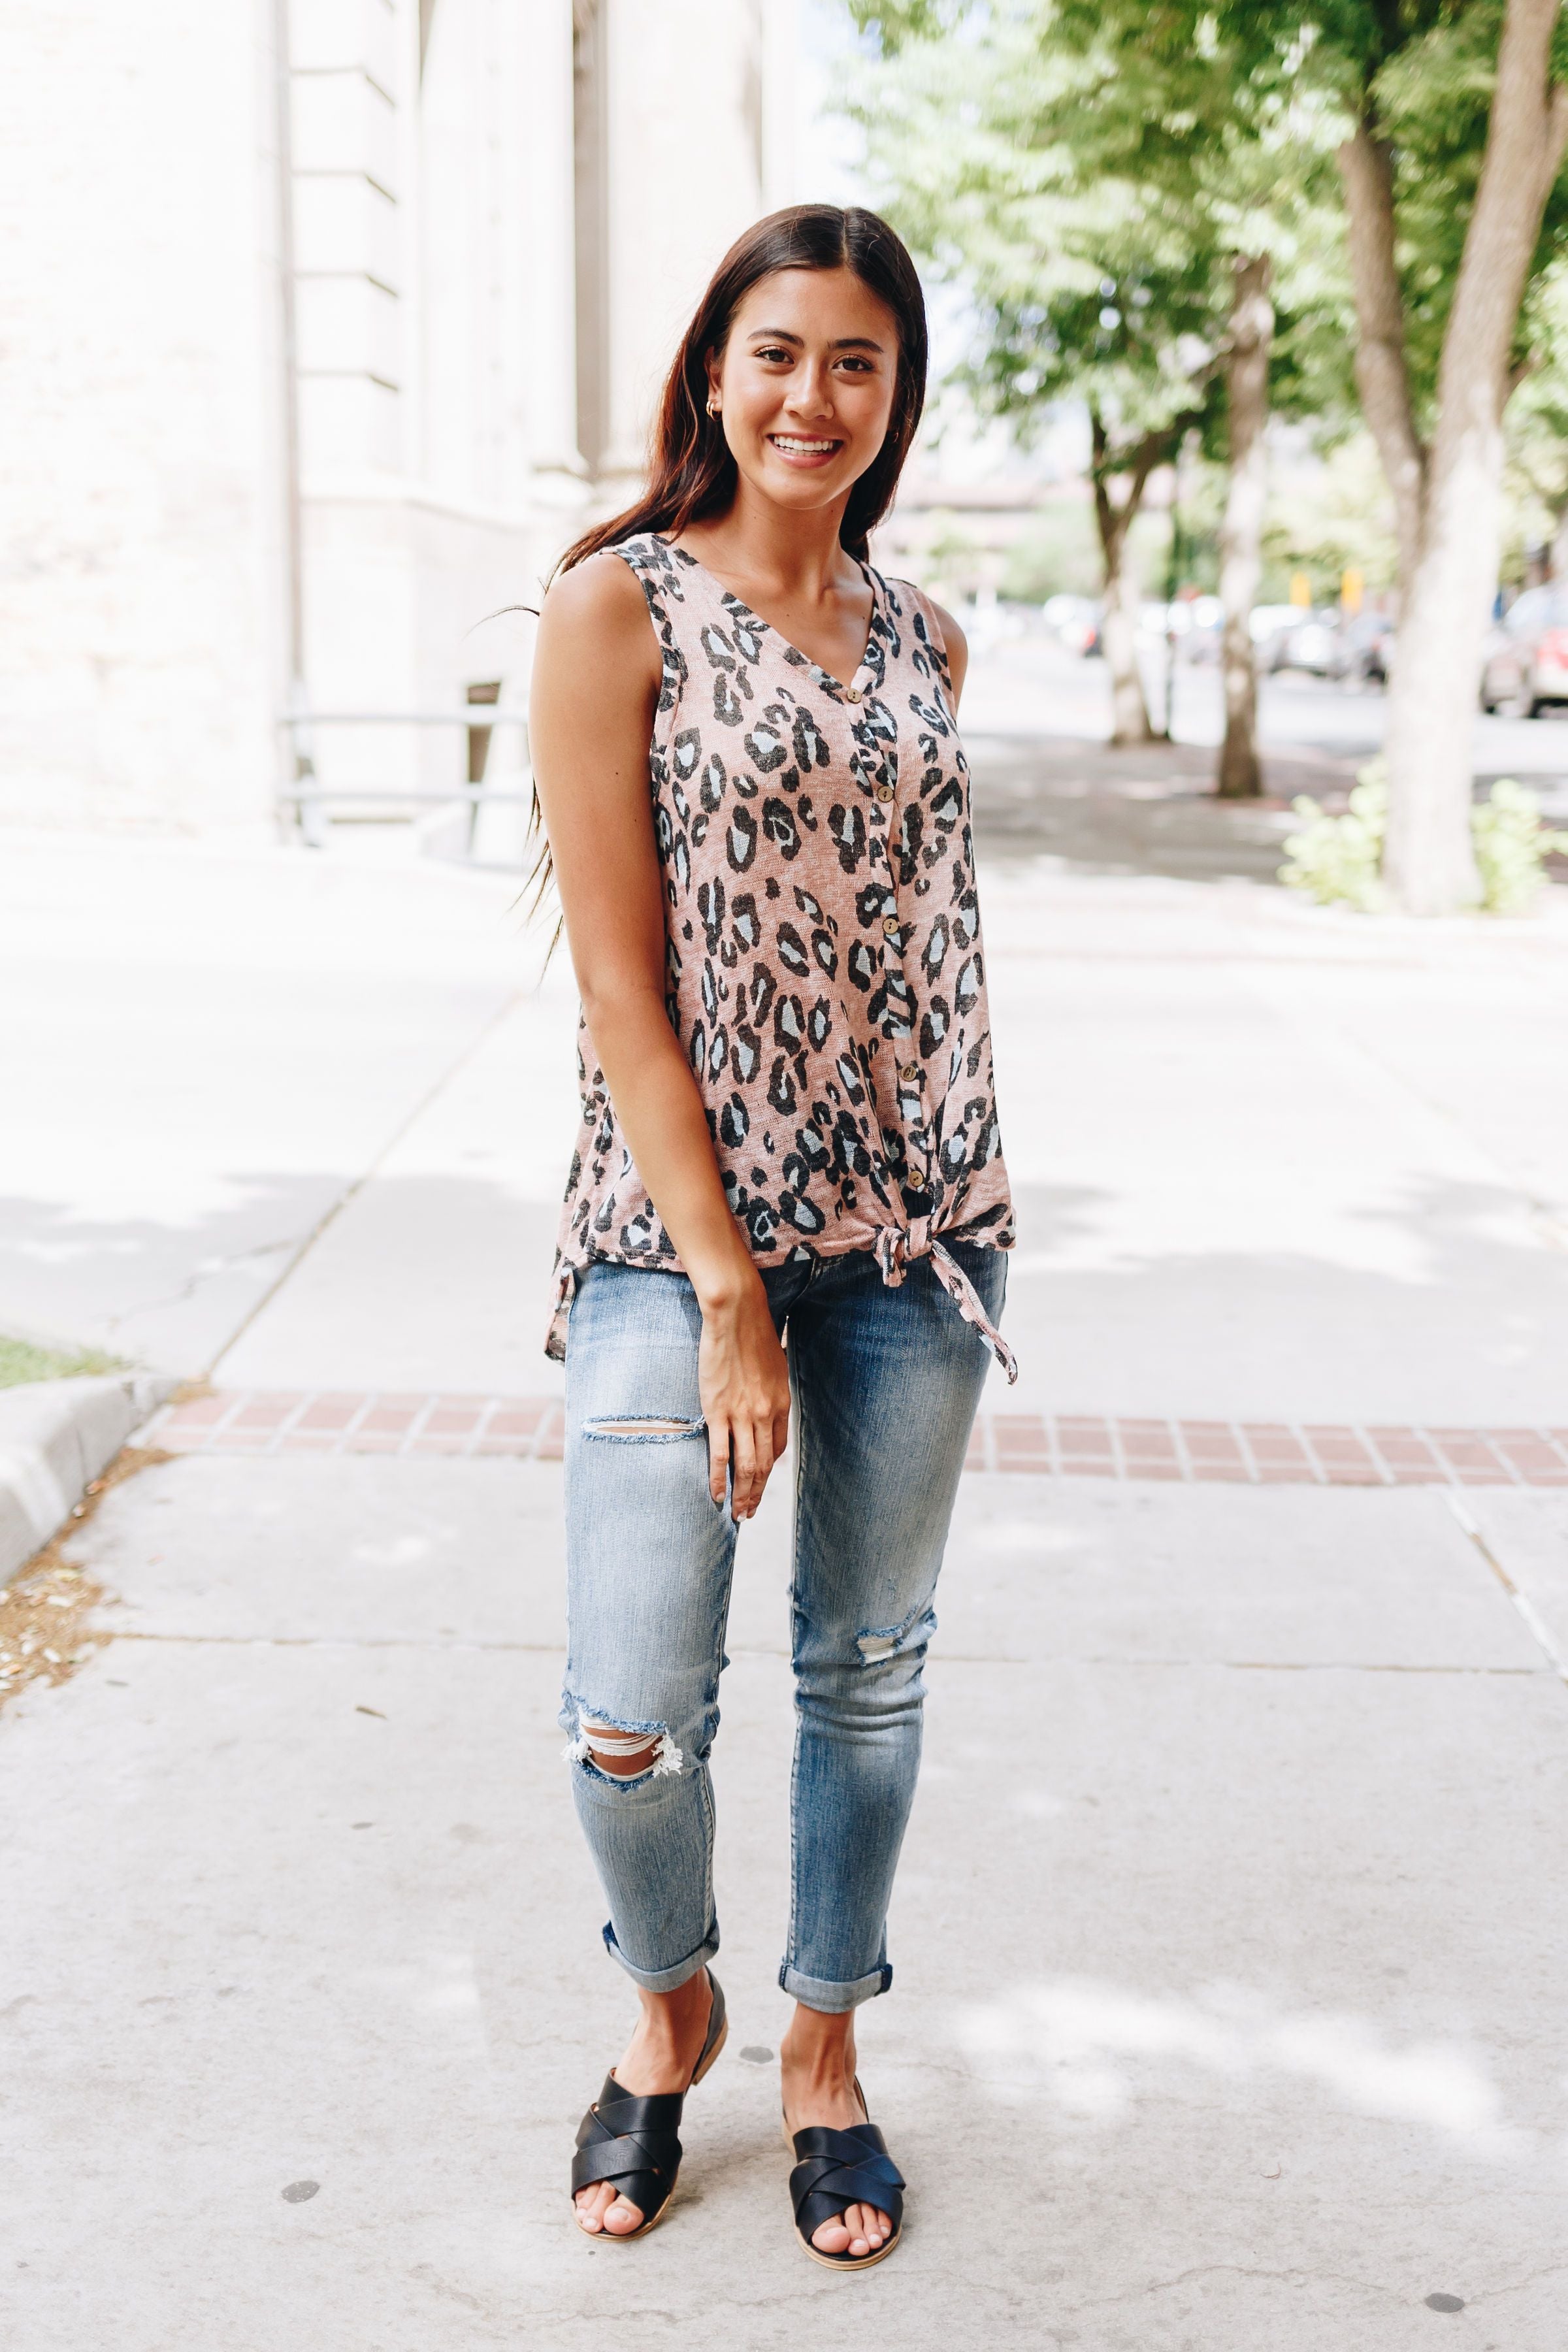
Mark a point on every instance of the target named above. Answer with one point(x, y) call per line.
point(205, 1055)
point(1229, 2010)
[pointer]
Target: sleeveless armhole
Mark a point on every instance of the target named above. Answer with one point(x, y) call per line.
point(921, 603)
point(642, 557)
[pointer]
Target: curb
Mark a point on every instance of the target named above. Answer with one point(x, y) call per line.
point(54, 1436)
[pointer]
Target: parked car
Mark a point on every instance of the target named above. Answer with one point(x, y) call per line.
point(1526, 666)
point(1076, 620)
point(1270, 622)
point(1366, 648)
point(1313, 645)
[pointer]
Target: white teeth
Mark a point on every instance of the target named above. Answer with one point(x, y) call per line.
point(806, 448)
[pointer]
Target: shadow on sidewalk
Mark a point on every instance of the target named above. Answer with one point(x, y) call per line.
point(1149, 810)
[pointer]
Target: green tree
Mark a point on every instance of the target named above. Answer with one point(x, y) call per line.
point(1448, 120)
point(1087, 173)
point(1535, 477)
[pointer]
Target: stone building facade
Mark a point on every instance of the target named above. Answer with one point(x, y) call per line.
point(327, 320)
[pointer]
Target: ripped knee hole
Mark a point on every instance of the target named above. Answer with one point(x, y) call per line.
point(879, 1642)
point(643, 1427)
point(624, 1755)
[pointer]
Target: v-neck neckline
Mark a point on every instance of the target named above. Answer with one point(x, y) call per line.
point(859, 676)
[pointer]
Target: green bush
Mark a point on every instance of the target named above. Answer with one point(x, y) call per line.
point(1512, 846)
point(1338, 860)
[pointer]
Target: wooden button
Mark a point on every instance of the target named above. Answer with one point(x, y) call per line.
point(889, 927)
point(910, 1073)
point(851, 694)
point(884, 792)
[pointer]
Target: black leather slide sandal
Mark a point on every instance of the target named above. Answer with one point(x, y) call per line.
point(836, 2168)
point(635, 2142)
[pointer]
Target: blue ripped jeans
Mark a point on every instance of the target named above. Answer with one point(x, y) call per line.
point(885, 1384)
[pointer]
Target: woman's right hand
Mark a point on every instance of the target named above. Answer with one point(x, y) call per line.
point(598, 674)
point(742, 1378)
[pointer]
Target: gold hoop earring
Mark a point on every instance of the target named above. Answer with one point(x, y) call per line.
point(713, 409)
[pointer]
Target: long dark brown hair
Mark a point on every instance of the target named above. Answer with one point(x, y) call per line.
point(691, 474)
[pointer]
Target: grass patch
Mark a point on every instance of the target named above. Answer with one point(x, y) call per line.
point(21, 1361)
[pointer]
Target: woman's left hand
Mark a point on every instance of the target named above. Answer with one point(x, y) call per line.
point(743, 1375)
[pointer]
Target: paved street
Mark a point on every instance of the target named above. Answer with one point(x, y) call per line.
point(1229, 2008)
point(1037, 718)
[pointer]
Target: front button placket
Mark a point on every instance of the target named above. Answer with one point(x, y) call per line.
point(884, 793)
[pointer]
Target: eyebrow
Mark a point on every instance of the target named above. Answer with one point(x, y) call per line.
point(840, 342)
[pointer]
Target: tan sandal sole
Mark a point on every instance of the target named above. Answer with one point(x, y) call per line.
point(712, 2054)
point(855, 2262)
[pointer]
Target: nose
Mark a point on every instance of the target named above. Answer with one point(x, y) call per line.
point(810, 392)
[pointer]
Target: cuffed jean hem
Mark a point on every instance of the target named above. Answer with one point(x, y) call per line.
point(664, 1980)
point(815, 1992)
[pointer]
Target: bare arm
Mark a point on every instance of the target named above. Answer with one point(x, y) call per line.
point(596, 688)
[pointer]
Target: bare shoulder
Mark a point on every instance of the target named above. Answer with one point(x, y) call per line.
point(600, 594)
point(597, 657)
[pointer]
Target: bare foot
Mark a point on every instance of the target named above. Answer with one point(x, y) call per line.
point(817, 2063)
point(661, 2055)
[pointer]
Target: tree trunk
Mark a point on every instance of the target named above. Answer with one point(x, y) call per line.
point(1130, 721)
point(1430, 861)
point(1241, 533)
point(1382, 374)
point(1448, 499)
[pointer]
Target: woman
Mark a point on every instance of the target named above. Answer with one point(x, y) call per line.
point(757, 811)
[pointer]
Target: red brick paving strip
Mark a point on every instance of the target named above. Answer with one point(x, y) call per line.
point(1073, 1446)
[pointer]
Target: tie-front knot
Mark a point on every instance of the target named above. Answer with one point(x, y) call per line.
point(898, 1247)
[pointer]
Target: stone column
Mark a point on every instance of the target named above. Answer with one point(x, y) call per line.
point(682, 176)
point(348, 235)
point(548, 216)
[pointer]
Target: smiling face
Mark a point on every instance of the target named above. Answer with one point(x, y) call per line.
point(805, 384)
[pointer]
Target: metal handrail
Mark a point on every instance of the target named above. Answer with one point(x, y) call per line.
point(309, 790)
point(474, 714)
point(308, 800)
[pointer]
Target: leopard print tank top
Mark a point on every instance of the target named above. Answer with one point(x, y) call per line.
point(825, 978)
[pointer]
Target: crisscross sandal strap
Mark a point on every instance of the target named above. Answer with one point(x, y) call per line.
point(836, 2168)
point(634, 2143)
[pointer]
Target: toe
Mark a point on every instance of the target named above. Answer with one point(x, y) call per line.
point(623, 2218)
point(591, 2204)
point(859, 2231)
